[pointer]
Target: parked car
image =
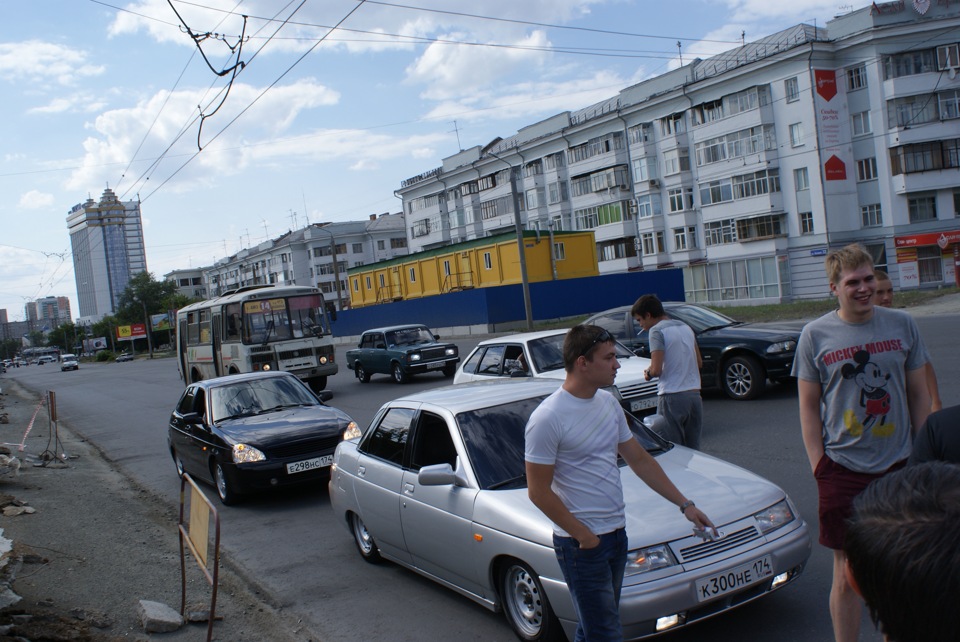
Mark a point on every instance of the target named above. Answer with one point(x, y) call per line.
point(124, 356)
point(69, 362)
point(255, 431)
point(738, 357)
point(436, 484)
point(540, 355)
point(401, 351)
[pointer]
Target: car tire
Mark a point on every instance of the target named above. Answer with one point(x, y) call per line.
point(225, 490)
point(366, 545)
point(398, 374)
point(449, 370)
point(318, 383)
point(362, 374)
point(742, 378)
point(525, 604)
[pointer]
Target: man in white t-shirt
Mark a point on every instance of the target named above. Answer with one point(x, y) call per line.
point(572, 442)
point(675, 358)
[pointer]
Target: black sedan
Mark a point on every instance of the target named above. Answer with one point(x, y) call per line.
point(249, 432)
point(738, 357)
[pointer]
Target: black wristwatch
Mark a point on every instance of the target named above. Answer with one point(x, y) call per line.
point(685, 505)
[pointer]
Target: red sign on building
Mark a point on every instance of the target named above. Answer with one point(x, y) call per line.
point(834, 169)
point(826, 80)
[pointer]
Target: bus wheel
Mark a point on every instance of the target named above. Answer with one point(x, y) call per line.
point(195, 376)
point(318, 383)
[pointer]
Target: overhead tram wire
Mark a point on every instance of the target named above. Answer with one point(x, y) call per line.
point(261, 94)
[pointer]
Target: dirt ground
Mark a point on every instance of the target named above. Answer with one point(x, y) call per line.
point(95, 544)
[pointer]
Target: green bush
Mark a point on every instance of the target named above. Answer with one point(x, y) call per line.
point(106, 355)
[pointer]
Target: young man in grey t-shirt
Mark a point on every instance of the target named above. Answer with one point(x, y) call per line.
point(860, 379)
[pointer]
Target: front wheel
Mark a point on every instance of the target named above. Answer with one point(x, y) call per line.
point(225, 488)
point(362, 374)
point(449, 370)
point(525, 605)
point(366, 545)
point(398, 374)
point(318, 383)
point(742, 378)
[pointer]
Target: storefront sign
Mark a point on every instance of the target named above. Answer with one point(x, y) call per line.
point(941, 239)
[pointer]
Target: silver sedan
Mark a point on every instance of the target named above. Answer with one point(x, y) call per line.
point(436, 484)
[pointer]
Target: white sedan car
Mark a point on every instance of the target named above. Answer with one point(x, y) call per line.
point(436, 484)
point(540, 355)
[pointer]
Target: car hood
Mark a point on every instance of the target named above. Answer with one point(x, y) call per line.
point(765, 331)
point(723, 491)
point(273, 427)
point(631, 371)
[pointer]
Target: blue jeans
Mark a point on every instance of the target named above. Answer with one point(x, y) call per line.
point(595, 577)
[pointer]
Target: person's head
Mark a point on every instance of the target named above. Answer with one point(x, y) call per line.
point(902, 552)
point(884, 294)
point(647, 310)
point(590, 352)
point(850, 272)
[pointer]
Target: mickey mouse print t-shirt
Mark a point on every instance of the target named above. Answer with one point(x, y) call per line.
point(861, 368)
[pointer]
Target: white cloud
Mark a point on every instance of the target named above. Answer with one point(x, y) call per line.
point(38, 61)
point(34, 200)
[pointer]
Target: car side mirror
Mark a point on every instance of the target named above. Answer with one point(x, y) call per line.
point(442, 475)
point(519, 373)
point(193, 419)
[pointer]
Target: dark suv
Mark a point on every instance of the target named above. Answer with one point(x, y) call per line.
point(738, 357)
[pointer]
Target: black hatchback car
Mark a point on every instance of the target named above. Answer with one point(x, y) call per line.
point(738, 357)
point(255, 431)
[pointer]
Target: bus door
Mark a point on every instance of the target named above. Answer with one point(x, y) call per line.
point(182, 350)
point(217, 347)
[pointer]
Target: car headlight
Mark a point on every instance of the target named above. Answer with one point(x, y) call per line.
point(643, 560)
point(352, 431)
point(450, 352)
point(244, 454)
point(774, 517)
point(415, 356)
point(782, 346)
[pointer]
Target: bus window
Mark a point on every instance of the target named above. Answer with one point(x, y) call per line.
point(233, 320)
point(265, 321)
point(193, 328)
point(204, 326)
point(307, 317)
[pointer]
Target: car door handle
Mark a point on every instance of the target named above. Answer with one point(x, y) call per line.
point(361, 471)
point(408, 488)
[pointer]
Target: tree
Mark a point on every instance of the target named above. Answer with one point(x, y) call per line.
point(143, 295)
point(63, 336)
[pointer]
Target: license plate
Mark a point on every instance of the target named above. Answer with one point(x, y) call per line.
point(309, 464)
point(435, 366)
point(733, 579)
point(642, 404)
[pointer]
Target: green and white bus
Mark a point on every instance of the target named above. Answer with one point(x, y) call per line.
point(264, 327)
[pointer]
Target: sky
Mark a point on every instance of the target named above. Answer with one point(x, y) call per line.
point(332, 105)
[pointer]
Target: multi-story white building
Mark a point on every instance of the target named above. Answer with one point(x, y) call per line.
point(744, 169)
point(318, 255)
point(107, 242)
point(189, 282)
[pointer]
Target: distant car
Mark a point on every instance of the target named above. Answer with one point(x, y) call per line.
point(436, 484)
point(255, 431)
point(69, 362)
point(401, 351)
point(124, 356)
point(540, 355)
point(45, 358)
point(738, 357)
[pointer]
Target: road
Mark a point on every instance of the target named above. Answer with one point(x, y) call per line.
point(290, 546)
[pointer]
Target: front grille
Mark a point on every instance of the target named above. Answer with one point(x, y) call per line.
point(640, 389)
point(306, 448)
point(266, 357)
point(261, 349)
point(727, 542)
point(430, 354)
point(295, 354)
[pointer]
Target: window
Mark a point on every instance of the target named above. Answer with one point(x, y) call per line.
point(856, 77)
point(642, 133)
point(922, 208)
point(870, 215)
point(644, 169)
point(801, 178)
point(672, 124)
point(557, 192)
point(535, 197)
point(676, 161)
point(652, 243)
point(596, 146)
point(553, 161)
point(735, 145)
point(879, 253)
point(949, 104)
point(381, 245)
point(912, 110)
point(738, 279)
point(681, 199)
point(413, 275)
point(861, 124)
point(760, 227)
point(648, 205)
point(685, 238)
point(357, 248)
point(389, 440)
point(718, 191)
point(867, 169)
point(909, 64)
point(956, 203)
point(791, 87)
point(806, 222)
point(559, 251)
point(922, 157)
point(720, 232)
point(948, 56)
point(369, 283)
point(796, 134)
point(487, 262)
point(756, 183)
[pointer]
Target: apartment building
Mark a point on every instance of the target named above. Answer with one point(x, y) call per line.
point(743, 169)
point(318, 255)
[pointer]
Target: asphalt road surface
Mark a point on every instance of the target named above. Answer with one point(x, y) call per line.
point(291, 547)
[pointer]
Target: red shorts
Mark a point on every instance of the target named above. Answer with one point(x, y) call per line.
point(837, 487)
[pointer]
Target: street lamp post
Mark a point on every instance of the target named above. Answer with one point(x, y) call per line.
point(517, 195)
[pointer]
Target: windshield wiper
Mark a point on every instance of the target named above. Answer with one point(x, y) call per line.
point(508, 482)
point(717, 327)
point(552, 366)
point(267, 331)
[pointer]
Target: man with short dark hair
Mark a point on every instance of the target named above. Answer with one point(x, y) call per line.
point(572, 442)
point(860, 380)
point(902, 553)
point(675, 359)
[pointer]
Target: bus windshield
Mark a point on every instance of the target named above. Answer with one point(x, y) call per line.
point(279, 319)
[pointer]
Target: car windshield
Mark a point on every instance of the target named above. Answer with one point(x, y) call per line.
point(547, 352)
point(409, 336)
point(494, 438)
point(252, 397)
point(698, 318)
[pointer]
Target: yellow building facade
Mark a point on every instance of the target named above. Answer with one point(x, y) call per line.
point(480, 263)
